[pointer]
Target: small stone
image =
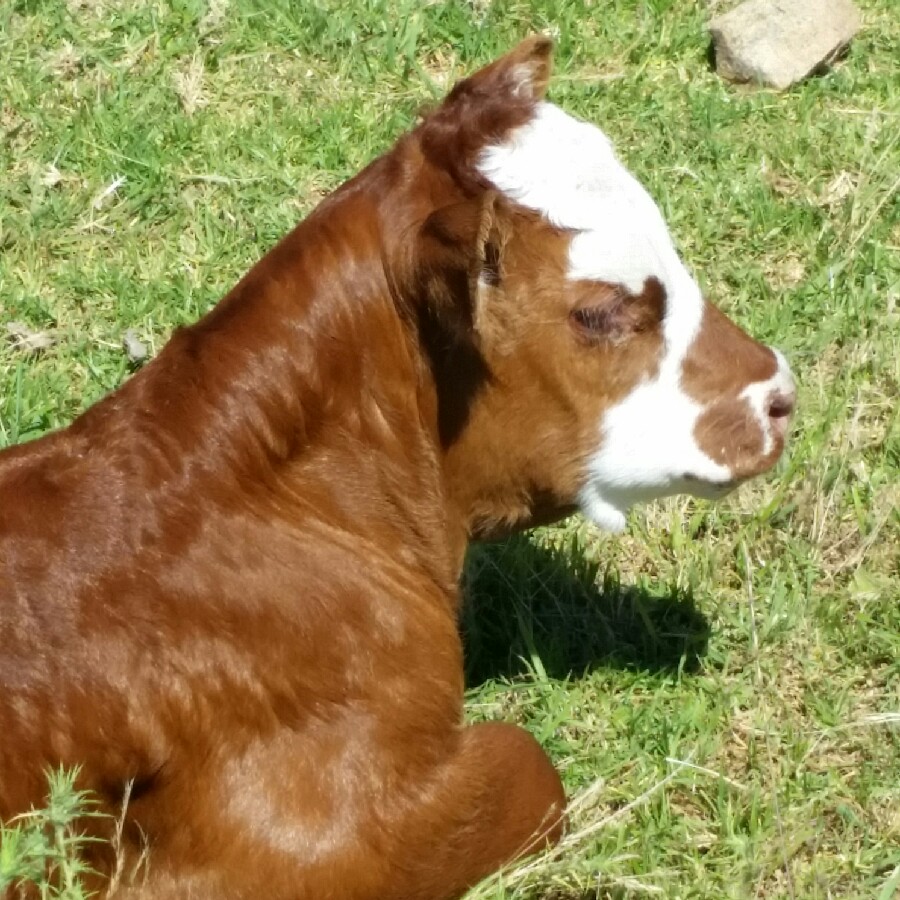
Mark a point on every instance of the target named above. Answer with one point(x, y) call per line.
point(780, 42)
point(135, 349)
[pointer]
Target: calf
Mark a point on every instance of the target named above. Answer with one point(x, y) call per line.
point(228, 591)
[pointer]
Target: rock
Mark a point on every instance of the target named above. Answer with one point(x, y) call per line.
point(779, 42)
point(135, 349)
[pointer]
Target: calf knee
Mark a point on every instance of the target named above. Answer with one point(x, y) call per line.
point(530, 795)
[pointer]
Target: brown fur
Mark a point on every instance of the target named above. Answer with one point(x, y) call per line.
point(232, 584)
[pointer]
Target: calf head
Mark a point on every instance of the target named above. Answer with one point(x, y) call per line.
point(581, 366)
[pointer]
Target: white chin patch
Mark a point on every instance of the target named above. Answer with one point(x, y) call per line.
point(601, 512)
point(647, 450)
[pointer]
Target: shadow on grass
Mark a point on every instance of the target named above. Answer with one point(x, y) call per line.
point(525, 602)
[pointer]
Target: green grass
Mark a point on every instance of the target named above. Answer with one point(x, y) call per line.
point(44, 847)
point(720, 687)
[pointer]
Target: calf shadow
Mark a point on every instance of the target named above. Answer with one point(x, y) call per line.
point(527, 604)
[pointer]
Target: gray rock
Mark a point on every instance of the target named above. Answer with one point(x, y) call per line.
point(779, 42)
point(135, 349)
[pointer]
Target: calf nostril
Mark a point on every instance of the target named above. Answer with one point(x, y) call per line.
point(781, 406)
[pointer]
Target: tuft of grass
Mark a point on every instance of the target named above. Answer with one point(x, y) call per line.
point(720, 686)
point(41, 852)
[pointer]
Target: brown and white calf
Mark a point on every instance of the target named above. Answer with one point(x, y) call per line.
point(232, 584)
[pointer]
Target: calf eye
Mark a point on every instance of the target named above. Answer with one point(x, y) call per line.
point(603, 314)
point(610, 313)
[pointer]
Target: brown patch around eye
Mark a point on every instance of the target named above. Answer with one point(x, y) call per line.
point(610, 313)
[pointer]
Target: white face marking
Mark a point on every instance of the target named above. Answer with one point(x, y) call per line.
point(568, 170)
point(757, 396)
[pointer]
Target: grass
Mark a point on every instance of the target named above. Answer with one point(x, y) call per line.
point(44, 847)
point(720, 687)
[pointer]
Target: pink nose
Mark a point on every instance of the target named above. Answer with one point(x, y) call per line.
point(781, 407)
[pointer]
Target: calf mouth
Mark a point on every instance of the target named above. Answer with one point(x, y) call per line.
point(710, 490)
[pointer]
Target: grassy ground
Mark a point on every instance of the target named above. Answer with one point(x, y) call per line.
point(721, 686)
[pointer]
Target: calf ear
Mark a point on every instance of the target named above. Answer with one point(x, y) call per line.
point(483, 109)
point(522, 74)
point(461, 258)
